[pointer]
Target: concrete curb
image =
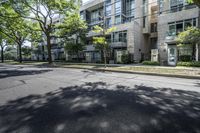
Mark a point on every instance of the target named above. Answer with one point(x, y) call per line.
point(134, 72)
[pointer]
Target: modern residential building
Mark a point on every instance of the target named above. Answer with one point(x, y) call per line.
point(174, 17)
point(146, 29)
point(129, 34)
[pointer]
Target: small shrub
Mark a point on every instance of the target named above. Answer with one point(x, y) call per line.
point(155, 63)
point(126, 58)
point(185, 58)
point(189, 64)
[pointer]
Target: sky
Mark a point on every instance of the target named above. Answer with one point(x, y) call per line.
point(85, 1)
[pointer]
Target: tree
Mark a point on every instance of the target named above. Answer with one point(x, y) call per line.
point(73, 31)
point(101, 39)
point(43, 12)
point(17, 31)
point(191, 36)
point(26, 51)
point(197, 2)
point(2, 46)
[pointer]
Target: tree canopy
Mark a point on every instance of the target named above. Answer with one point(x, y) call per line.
point(100, 41)
point(191, 36)
point(43, 14)
point(197, 2)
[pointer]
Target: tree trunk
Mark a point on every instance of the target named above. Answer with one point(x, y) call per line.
point(197, 52)
point(193, 52)
point(43, 57)
point(2, 55)
point(20, 53)
point(49, 48)
point(105, 61)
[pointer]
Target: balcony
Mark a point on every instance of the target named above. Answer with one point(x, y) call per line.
point(118, 43)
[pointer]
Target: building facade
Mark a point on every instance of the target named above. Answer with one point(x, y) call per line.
point(146, 29)
point(124, 16)
point(174, 17)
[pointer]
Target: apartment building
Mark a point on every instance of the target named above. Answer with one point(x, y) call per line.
point(146, 29)
point(174, 17)
point(124, 16)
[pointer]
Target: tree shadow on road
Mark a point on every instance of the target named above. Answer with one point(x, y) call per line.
point(101, 108)
point(13, 73)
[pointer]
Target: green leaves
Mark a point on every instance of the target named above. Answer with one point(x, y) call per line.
point(72, 25)
point(101, 40)
point(197, 2)
point(191, 36)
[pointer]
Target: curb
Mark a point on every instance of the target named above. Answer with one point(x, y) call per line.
point(134, 72)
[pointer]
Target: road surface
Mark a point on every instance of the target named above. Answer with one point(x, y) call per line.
point(60, 100)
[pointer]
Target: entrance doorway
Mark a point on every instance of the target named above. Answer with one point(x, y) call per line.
point(172, 55)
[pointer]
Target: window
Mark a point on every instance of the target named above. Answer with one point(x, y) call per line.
point(160, 3)
point(172, 29)
point(120, 36)
point(117, 19)
point(179, 27)
point(176, 27)
point(144, 22)
point(108, 8)
point(82, 15)
point(108, 22)
point(94, 17)
point(188, 23)
point(153, 27)
point(117, 7)
point(176, 5)
point(145, 7)
point(130, 8)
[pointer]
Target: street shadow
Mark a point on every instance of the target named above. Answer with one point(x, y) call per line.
point(13, 73)
point(101, 108)
point(198, 84)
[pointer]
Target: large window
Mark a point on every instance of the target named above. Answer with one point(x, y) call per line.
point(94, 17)
point(178, 5)
point(118, 7)
point(160, 3)
point(130, 8)
point(117, 19)
point(153, 27)
point(108, 22)
point(120, 36)
point(145, 7)
point(176, 27)
point(108, 7)
point(82, 15)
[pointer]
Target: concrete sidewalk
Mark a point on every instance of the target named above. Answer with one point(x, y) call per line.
point(180, 72)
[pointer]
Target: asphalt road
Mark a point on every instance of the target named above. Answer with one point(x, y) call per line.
point(59, 100)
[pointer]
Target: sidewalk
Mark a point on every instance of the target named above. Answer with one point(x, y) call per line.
point(180, 72)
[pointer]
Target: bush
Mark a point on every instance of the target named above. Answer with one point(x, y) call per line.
point(185, 58)
point(155, 63)
point(126, 58)
point(189, 64)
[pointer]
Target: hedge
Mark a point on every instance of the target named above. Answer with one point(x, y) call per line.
point(189, 64)
point(185, 58)
point(155, 63)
